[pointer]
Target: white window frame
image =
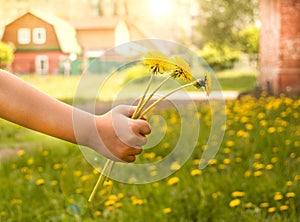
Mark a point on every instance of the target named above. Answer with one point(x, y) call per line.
point(39, 35)
point(24, 36)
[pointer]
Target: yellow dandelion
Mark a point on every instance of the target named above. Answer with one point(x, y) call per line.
point(274, 159)
point(257, 173)
point(290, 195)
point(238, 160)
point(175, 165)
point(167, 210)
point(248, 173)
point(181, 69)
point(216, 195)
point(258, 166)
point(108, 183)
point(278, 196)
point(226, 161)
point(238, 194)
point(40, 182)
point(21, 152)
point(156, 184)
point(98, 213)
point(120, 196)
point(227, 150)
point(284, 207)
point(2, 214)
point(235, 203)
point(57, 166)
point(289, 183)
point(153, 173)
point(249, 126)
point(85, 178)
point(271, 130)
point(257, 156)
point(212, 162)
point(173, 181)
point(157, 62)
point(196, 161)
point(77, 173)
point(54, 182)
point(297, 178)
point(109, 203)
point(269, 167)
point(248, 205)
point(135, 201)
point(118, 205)
point(230, 143)
point(16, 201)
point(264, 205)
point(79, 190)
point(45, 153)
point(149, 155)
point(196, 172)
point(30, 161)
point(112, 197)
point(271, 210)
point(292, 155)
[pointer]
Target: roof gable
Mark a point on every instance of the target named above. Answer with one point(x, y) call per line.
point(65, 32)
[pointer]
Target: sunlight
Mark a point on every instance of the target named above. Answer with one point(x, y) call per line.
point(160, 7)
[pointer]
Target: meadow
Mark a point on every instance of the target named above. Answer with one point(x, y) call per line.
point(255, 176)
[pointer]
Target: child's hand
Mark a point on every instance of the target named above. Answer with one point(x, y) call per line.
point(121, 138)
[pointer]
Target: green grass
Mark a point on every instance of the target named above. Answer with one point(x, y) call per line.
point(66, 88)
point(237, 80)
point(259, 157)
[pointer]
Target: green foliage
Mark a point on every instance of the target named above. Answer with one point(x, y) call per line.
point(6, 55)
point(219, 56)
point(248, 39)
point(257, 164)
point(221, 20)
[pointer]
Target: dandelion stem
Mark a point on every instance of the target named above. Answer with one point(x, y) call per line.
point(165, 96)
point(154, 91)
point(139, 109)
point(101, 179)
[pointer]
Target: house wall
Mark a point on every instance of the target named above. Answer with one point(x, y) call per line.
point(30, 21)
point(25, 62)
point(279, 57)
point(96, 39)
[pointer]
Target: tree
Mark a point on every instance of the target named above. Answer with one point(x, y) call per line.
point(220, 21)
point(6, 55)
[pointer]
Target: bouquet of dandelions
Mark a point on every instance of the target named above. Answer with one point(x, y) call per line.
point(158, 63)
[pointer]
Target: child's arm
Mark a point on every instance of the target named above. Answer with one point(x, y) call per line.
point(113, 134)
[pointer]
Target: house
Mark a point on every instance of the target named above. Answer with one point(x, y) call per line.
point(97, 35)
point(44, 43)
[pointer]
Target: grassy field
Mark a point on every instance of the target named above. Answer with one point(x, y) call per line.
point(65, 88)
point(255, 176)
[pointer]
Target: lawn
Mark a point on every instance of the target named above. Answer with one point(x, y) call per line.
point(255, 176)
point(65, 88)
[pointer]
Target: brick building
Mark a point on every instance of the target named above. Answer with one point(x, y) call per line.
point(280, 46)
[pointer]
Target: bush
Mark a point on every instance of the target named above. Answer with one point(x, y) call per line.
point(6, 55)
point(219, 56)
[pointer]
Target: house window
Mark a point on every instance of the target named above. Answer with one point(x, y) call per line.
point(24, 36)
point(39, 35)
point(42, 64)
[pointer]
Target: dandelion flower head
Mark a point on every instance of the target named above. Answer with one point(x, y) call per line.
point(181, 69)
point(157, 62)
